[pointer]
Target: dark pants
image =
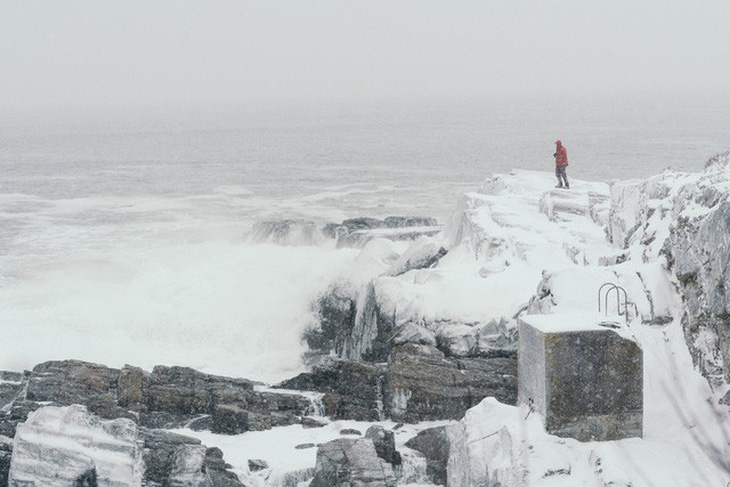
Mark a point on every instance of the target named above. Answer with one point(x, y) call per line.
point(562, 176)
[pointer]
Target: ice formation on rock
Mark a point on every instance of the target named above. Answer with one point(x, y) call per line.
point(57, 446)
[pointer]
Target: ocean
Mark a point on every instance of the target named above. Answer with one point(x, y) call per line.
point(124, 236)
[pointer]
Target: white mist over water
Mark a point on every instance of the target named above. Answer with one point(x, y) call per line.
point(142, 291)
point(123, 240)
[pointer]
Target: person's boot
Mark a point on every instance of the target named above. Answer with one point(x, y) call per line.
point(559, 186)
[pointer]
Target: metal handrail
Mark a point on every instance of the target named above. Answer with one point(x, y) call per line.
point(618, 289)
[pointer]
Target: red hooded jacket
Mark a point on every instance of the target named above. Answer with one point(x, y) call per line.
point(561, 155)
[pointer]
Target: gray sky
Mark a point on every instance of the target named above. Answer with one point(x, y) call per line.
point(130, 53)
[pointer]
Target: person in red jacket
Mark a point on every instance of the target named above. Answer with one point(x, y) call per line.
point(561, 164)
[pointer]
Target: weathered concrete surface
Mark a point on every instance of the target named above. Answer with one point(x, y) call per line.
point(587, 383)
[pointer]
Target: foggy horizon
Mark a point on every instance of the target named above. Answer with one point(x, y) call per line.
point(109, 56)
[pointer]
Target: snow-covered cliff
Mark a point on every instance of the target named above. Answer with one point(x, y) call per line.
point(518, 246)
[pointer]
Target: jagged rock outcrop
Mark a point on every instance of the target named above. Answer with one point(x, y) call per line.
point(352, 390)
point(700, 251)
point(167, 397)
point(159, 447)
point(60, 446)
point(345, 462)
point(685, 218)
point(423, 384)
point(418, 383)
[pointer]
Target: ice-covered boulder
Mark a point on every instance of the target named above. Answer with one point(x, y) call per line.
point(456, 340)
point(57, 446)
point(410, 332)
point(357, 232)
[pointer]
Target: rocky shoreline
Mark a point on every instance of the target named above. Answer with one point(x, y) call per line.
point(418, 333)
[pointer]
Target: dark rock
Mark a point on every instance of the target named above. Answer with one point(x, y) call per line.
point(218, 471)
point(158, 453)
point(336, 311)
point(164, 420)
point(6, 451)
point(87, 479)
point(362, 334)
point(74, 382)
point(11, 386)
point(132, 385)
point(351, 389)
point(434, 444)
point(726, 399)
point(214, 453)
point(202, 423)
point(425, 385)
point(345, 462)
point(305, 446)
point(230, 420)
point(163, 450)
point(308, 422)
point(222, 478)
point(168, 397)
point(182, 390)
point(350, 431)
point(255, 465)
point(384, 442)
point(296, 478)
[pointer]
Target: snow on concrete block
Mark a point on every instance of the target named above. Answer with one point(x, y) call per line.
point(585, 379)
point(58, 446)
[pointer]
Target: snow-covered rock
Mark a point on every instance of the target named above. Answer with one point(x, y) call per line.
point(496, 444)
point(56, 446)
point(686, 218)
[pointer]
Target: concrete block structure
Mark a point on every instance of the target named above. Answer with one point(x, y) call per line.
point(584, 376)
